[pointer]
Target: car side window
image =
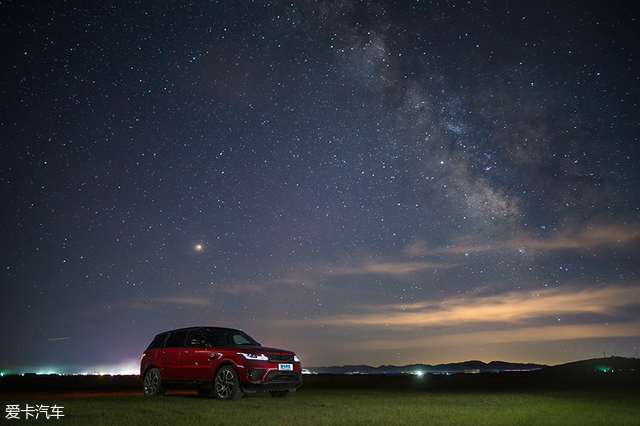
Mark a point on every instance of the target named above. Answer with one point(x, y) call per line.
point(176, 339)
point(158, 341)
point(219, 339)
point(196, 338)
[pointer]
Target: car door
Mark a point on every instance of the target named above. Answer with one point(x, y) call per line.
point(196, 358)
point(170, 355)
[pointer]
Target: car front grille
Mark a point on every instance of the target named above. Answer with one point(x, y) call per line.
point(280, 358)
point(278, 376)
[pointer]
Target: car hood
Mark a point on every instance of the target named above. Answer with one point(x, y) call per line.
point(265, 350)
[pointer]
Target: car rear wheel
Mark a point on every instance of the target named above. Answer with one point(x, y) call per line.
point(283, 393)
point(227, 385)
point(152, 384)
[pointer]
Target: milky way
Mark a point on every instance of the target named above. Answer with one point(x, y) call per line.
point(361, 182)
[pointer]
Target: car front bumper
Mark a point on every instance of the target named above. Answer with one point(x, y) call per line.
point(275, 381)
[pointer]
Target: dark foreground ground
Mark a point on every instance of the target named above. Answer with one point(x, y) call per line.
point(42, 386)
point(53, 386)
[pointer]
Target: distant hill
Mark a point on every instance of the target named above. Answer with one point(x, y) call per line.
point(611, 364)
point(458, 367)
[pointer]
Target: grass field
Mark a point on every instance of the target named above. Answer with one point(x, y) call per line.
point(368, 400)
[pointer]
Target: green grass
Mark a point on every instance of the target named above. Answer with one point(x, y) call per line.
point(361, 401)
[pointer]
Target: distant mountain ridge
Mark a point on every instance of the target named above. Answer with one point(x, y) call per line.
point(611, 364)
point(457, 367)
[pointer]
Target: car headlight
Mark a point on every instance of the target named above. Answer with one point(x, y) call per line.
point(254, 357)
point(296, 359)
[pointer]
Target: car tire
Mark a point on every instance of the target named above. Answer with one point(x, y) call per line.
point(226, 385)
point(152, 384)
point(283, 393)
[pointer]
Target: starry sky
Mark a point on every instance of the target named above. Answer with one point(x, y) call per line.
point(362, 182)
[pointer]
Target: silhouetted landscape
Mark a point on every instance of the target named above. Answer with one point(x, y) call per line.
point(600, 373)
point(459, 367)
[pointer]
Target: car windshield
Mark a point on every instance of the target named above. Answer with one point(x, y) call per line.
point(226, 337)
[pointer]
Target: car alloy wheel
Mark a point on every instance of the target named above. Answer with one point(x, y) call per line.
point(227, 384)
point(152, 384)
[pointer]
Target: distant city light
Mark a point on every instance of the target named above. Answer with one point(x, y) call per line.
point(124, 368)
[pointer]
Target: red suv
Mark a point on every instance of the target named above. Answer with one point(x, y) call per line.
point(222, 362)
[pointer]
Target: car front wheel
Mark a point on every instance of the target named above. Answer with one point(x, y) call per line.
point(152, 384)
point(227, 385)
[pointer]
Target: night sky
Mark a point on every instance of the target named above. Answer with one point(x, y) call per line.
point(361, 182)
